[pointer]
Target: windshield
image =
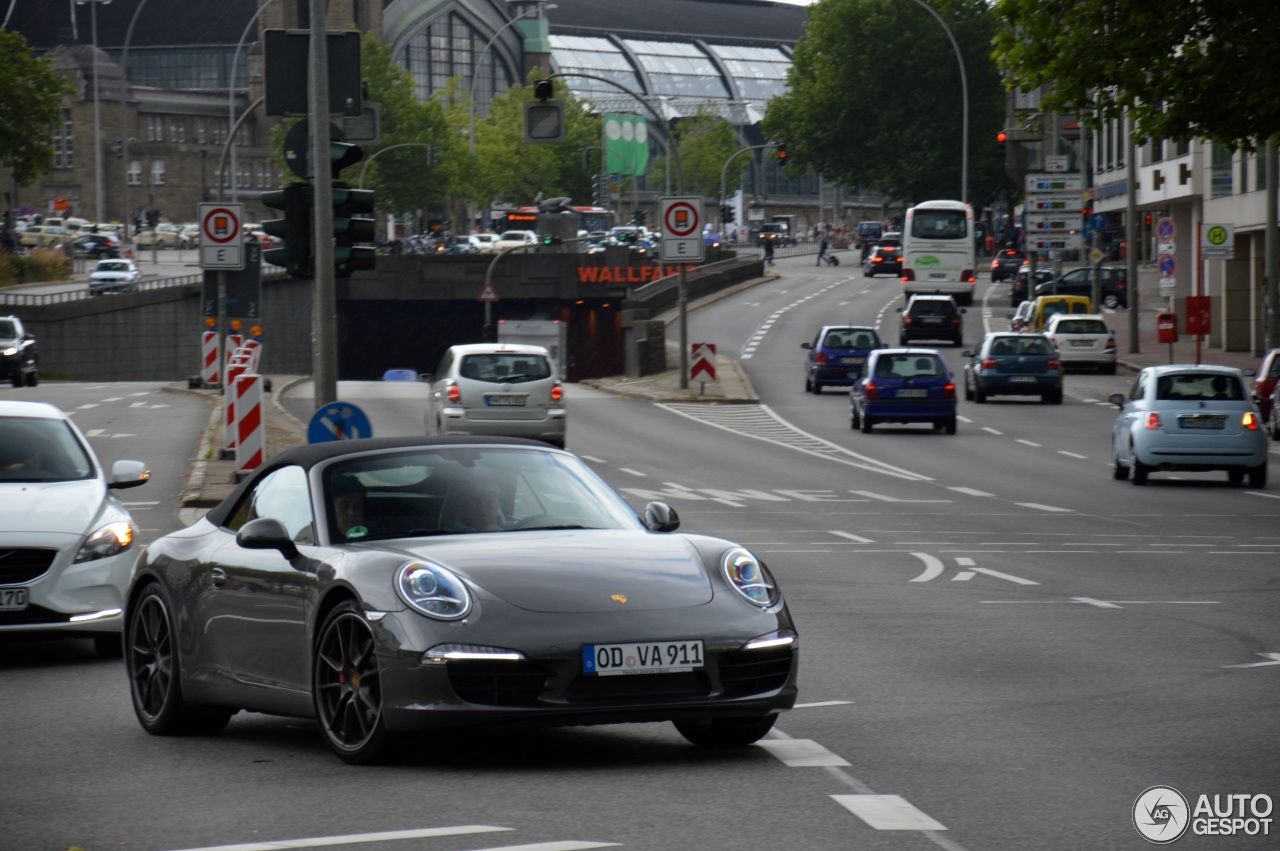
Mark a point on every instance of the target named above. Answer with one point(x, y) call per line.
point(940, 224)
point(116, 266)
point(446, 491)
point(41, 450)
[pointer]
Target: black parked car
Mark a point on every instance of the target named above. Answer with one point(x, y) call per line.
point(99, 246)
point(1020, 287)
point(1115, 290)
point(19, 361)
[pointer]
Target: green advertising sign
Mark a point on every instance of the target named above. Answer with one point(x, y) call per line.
point(626, 144)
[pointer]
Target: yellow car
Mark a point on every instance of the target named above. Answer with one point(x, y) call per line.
point(45, 236)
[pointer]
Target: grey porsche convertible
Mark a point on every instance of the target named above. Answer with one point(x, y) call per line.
point(391, 586)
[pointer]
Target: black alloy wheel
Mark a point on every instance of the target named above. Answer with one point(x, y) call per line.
point(151, 659)
point(347, 687)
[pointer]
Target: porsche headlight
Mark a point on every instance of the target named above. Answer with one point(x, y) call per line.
point(9, 351)
point(112, 539)
point(749, 578)
point(433, 590)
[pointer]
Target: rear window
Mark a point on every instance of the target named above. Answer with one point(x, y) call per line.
point(1199, 387)
point(849, 339)
point(931, 308)
point(1081, 326)
point(908, 366)
point(1021, 345)
point(939, 224)
point(504, 368)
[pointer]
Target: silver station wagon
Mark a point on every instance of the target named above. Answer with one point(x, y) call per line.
point(497, 389)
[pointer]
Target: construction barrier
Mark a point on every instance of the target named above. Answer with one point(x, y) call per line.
point(252, 348)
point(236, 367)
point(234, 341)
point(250, 431)
point(210, 358)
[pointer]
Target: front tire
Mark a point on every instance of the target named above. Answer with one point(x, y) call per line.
point(725, 732)
point(347, 688)
point(155, 681)
point(865, 424)
point(1111, 301)
point(1258, 476)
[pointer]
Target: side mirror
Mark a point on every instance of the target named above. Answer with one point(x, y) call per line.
point(806, 345)
point(128, 474)
point(1116, 399)
point(966, 354)
point(660, 517)
point(267, 533)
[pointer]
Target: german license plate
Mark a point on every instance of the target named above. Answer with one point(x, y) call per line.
point(1200, 422)
point(1082, 342)
point(13, 599)
point(854, 361)
point(912, 394)
point(1022, 379)
point(649, 657)
point(505, 401)
point(937, 276)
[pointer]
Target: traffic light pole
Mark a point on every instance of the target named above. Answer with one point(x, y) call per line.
point(324, 321)
point(724, 173)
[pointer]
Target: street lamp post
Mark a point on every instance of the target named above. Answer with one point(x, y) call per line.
point(231, 100)
point(964, 93)
point(124, 131)
point(475, 69)
point(97, 110)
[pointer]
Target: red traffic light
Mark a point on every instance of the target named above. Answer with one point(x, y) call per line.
point(782, 150)
point(1002, 137)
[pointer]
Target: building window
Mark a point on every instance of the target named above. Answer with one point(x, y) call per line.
point(448, 47)
point(155, 128)
point(63, 144)
point(177, 130)
point(202, 133)
point(1244, 172)
point(1260, 171)
point(157, 172)
point(1220, 172)
point(135, 172)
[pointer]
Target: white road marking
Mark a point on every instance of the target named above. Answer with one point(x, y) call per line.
point(1272, 659)
point(1073, 455)
point(633, 472)
point(1040, 507)
point(801, 753)
point(965, 562)
point(883, 498)
point(94, 432)
point(970, 491)
point(852, 537)
point(1115, 604)
point(1005, 576)
point(593, 459)
point(384, 836)
point(933, 567)
point(86, 407)
point(1028, 442)
point(992, 431)
point(887, 812)
point(820, 703)
point(963, 576)
point(554, 846)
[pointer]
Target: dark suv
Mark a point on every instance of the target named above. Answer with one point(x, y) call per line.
point(1005, 265)
point(931, 317)
point(18, 359)
point(838, 354)
point(1115, 290)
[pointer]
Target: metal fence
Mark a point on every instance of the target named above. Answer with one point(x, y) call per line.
point(23, 299)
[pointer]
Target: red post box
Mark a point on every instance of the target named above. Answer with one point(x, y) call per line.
point(1167, 327)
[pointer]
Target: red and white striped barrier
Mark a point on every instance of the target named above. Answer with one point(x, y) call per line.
point(210, 357)
point(250, 432)
point(236, 367)
point(252, 348)
point(234, 341)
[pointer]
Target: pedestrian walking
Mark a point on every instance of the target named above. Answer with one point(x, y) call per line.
point(768, 252)
point(822, 250)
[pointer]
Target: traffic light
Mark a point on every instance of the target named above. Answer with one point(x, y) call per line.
point(543, 118)
point(352, 223)
point(543, 89)
point(551, 239)
point(726, 214)
point(1001, 138)
point(1148, 219)
point(782, 152)
point(638, 217)
point(624, 237)
point(341, 155)
point(295, 255)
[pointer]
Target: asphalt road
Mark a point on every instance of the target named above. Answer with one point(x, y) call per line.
point(1002, 647)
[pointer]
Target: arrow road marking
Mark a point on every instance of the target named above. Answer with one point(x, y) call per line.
point(1272, 659)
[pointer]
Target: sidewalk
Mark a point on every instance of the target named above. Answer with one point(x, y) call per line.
point(213, 478)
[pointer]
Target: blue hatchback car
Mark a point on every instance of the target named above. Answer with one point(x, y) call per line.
point(1014, 364)
point(904, 386)
point(837, 355)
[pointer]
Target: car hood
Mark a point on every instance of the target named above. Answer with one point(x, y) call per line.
point(69, 507)
point(578, 570)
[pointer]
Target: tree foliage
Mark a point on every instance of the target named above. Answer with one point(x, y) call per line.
point(30, 96)
point(705, 142)
point(1186, 69)
point(875, 101)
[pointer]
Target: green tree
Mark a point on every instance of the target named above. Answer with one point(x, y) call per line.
point(705, 142)
point(1181, 70)
point(505, 169)
point(875, 101)
point(31, 94)
point(414, 176)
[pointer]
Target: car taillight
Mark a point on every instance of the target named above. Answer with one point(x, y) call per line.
point(906, 319)
point(455, 394)
point(995, 264)
point(1153, 420)
point(822, 358)
point(955, 320)
point(908, 275)
point(949, 391)
point(967, 276)
point(1054, 365)
point(988, 363)
point(1111, 343)
point(557, 393)
point(870, 390)
point(876, 259)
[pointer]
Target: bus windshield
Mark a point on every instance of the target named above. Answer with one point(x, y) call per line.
point(939, 224)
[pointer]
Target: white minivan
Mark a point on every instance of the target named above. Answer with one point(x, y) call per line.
point(500, 389)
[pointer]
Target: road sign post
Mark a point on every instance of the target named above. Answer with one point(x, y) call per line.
point(681, 223)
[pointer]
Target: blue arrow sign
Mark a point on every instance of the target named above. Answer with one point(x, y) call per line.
point(1098, 221)
point(338, 421)
point(1167, 265)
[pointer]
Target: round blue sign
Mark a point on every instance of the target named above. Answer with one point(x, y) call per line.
point(338, 421)
point(1098, 221)
point(1165, 229)
point(1167, 265)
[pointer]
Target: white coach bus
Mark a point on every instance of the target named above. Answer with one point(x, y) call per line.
point(938, 252)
